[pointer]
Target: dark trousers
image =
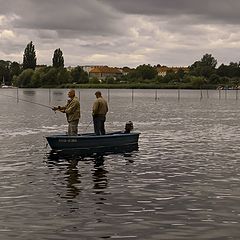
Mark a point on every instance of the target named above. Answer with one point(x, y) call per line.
point(98, 123)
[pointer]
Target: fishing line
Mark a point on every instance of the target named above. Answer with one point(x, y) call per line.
point(88, 125)
point(39, 104)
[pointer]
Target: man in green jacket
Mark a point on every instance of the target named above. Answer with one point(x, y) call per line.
point(72, 110)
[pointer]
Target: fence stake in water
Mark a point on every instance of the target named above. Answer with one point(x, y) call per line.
point(207, 94)
point(49, 95)
point(17, 96)
point(79, 95)
point(178, 94)
point(156, 95)
point(219, 94)
point(132, 94)
point(225, 93)
point(201, 94)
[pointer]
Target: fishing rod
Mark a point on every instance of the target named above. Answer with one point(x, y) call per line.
point(88, 125)
point(23, 100)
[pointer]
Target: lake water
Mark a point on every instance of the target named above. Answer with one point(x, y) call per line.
point(182, 183)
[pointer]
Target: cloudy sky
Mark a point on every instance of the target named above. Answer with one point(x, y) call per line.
point(121, 32)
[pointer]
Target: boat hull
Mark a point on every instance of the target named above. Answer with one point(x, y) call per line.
point(91, 143)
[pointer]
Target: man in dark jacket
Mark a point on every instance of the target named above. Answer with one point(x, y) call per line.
point(100, 109)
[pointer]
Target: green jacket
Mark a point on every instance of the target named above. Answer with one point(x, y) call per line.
point(100, 107)
point(72, 110)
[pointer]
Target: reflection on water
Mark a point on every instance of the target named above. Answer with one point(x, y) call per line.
point(72, 175)
point(57, 92)
point(29, 92)
point(72, 179)
point(81, 154)
point(99, 174)
point(182, 182)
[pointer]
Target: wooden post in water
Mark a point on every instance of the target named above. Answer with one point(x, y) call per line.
point(49, 95)
point(132, 94)
point(178, 94)
point(237, 94)
point(79, 95)
point(225, 93)
point(17, 95)
point(219, 94)
point(201, 94)
point(207, 94)
point(108, 95)
point(156, 95)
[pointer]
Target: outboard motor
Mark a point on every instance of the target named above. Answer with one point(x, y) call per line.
point(128, 127)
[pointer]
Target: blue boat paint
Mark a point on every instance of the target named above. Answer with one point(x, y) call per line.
point(91, 143)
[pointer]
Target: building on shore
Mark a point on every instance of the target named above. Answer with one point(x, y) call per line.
point(103, 72)
point(163, 70)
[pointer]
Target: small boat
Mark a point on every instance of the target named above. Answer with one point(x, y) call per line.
point(6, 86)
point(90, 143)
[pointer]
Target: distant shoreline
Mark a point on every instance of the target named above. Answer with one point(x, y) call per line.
point(133, 86)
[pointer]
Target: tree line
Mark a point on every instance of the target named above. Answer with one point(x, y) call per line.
point(202, 73)
point(29, 74)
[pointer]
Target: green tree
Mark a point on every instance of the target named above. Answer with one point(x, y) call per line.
point(50, 78)
point(146, 72)
point(58, 60)
point(15, 69)
point(223, 70)
point(25, 78)
point(208, 60)
point(5, 72)
point(63, 76)
point(37, 77)
point(94, 80)
point(109, 80)
point(29, 57)
point(180, 74)
point(205, 67)
point(197, 82)
point(214, 79)
point(170, 77)
point(79, 75)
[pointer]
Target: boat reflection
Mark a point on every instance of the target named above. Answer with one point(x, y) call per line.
point(68, 167)
point(80, 155)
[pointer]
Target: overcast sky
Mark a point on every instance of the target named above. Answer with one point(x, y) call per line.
point(121, 32)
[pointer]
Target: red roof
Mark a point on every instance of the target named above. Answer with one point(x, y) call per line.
point(105, 69)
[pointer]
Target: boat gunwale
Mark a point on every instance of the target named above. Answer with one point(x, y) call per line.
point(86, 136)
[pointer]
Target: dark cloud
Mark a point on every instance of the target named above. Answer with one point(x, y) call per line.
point(89, 17)
point(121, 32)
point(204, 10)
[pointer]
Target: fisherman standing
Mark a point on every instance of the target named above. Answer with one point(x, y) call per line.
point(72, 110)
point(100, 109)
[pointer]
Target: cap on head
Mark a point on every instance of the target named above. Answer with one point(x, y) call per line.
point(98, 93)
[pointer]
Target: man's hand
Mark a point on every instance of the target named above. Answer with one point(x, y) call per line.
point(56, 108)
